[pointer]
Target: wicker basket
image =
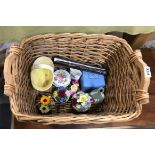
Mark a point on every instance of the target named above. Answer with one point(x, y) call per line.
point(126, 89)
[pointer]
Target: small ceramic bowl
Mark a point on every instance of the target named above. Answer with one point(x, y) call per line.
point(61, 95)
point(81, 102)
point(61, 78)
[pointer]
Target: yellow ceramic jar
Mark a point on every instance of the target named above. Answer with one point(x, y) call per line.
point(42, 73)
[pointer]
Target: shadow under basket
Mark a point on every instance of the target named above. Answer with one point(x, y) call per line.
point(126, 87)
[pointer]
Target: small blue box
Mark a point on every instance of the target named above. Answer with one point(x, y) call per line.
point(91, 80)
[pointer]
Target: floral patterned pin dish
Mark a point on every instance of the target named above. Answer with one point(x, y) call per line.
point(44, 103)
point(61, 78)
point(81, 102)
point(61, 95)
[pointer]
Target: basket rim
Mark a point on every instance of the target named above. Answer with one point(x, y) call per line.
point(87, 35)
point(77, 119)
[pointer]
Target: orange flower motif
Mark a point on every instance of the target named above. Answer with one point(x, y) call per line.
point(45, 100)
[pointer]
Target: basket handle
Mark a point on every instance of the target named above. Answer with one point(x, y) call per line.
point(9, 86)
point(143, 95)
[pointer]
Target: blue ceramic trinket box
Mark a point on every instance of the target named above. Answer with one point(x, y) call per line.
point(91, 80)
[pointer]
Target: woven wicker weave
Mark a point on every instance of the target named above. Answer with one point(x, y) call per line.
point(126, 89)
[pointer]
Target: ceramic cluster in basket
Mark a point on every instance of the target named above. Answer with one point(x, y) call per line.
point(58, 84)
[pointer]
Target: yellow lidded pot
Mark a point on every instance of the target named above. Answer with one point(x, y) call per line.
point(42, 73)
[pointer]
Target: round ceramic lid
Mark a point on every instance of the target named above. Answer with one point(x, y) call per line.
point(41, 79)
point(61, 78)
